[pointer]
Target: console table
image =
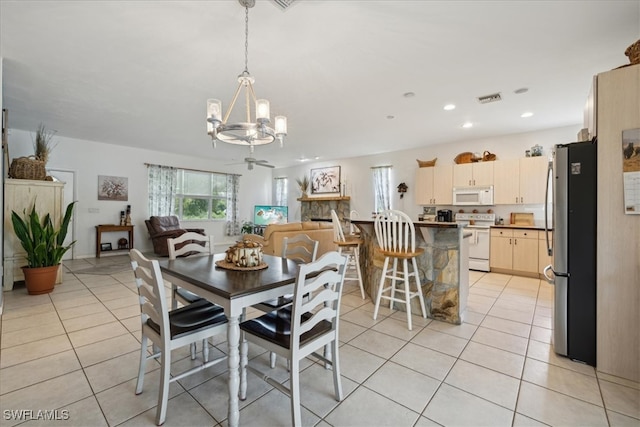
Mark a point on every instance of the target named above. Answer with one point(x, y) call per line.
point(109, 228)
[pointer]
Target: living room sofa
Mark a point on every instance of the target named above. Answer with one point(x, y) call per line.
point(274, 234)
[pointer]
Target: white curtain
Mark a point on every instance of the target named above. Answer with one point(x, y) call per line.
point(281, 193)
point(232, 227)
point(381, 182)
point(162, 187)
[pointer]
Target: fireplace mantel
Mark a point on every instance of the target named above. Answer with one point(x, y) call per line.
point(323, 199)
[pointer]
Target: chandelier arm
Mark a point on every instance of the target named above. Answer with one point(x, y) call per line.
point(232, 104)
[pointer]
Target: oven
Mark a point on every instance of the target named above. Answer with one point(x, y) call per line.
point(479, 242)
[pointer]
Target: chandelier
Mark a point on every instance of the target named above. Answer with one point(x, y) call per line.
point(251, 133)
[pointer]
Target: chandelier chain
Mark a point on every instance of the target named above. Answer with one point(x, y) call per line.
point(246, 40)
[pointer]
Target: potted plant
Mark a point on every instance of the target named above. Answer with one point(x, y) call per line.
point(44, 245)
point(303, 183)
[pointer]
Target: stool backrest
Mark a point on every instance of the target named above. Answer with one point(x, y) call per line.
point(338, 233)
point(395, 231)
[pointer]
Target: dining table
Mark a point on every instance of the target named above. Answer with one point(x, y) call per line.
point(235, 290)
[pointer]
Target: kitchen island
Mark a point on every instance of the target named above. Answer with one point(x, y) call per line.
point(444, 267)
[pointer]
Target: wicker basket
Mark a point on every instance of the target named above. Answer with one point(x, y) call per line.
point(426, 163)
point(633, 52)
point(27, 168)
point(488, 156)
point(466, 157)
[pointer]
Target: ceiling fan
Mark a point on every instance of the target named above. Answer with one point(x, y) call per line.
point(250, 161)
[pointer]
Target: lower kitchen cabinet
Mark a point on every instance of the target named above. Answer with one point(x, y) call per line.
point(514, 251)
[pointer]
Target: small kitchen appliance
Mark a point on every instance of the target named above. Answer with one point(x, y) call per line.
point(445, 215)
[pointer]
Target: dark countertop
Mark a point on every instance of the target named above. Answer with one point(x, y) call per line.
point(433, 224)
point(521, 227)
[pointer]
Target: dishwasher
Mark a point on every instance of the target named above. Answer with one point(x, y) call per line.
point(479, 225)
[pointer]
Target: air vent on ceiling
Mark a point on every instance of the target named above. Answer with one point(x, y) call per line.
point(494, 97)
point(283, 4)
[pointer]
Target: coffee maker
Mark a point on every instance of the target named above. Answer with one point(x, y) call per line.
point(445, 215)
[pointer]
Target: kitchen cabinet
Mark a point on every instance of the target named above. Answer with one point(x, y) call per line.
point(20, 195)
point(514, 251)
point(544, 258)
point(473, 174)
point(434, 185)
point(520, 181)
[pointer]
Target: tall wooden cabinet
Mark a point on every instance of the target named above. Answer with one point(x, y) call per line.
point(20, 195)
point(618, 235)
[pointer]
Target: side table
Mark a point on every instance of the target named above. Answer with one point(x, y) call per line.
point(109, 228)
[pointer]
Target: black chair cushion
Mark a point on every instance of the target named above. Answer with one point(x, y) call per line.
point(188, 296)
point(276, 327)
point(276, 303)
point(191, 318)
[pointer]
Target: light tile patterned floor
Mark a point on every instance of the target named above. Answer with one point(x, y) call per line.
point(76, 351)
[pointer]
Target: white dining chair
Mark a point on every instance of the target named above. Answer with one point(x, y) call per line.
point(395, 234)
point(300, 330)
point(189, 244)
point(169, 330)
point(301, 249)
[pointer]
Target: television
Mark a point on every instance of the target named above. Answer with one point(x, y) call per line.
point(267, 214)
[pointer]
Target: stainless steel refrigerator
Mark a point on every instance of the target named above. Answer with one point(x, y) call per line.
point(573, 272)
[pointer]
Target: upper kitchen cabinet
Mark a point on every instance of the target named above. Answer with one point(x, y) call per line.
point(473, 174)
point(520, 181)
point(433, 185)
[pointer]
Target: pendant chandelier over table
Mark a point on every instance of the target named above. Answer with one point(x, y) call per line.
point(250, 132)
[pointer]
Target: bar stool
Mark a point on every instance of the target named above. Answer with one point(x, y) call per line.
point(396, 240)
point(351, 246)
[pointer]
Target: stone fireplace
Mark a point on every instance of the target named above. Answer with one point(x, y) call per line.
point(319, 208)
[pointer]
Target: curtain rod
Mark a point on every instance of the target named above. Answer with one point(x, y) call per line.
point(193, 170)
point(380, 167)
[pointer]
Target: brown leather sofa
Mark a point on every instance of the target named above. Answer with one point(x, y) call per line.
point(275, 233)
point(162, 228)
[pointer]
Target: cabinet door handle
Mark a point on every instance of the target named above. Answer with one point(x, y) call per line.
point(516, 199)
point(469, 182)
point(521, 200)
point(515, 241)
point(509, 241)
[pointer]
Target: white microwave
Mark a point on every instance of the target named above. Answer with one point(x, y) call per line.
point(473, 196)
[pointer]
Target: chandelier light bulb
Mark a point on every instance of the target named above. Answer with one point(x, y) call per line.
point(262, 110)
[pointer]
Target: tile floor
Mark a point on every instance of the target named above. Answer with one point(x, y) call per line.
point(76, 351)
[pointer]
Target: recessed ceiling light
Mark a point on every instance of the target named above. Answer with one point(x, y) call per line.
point(408, 94)
point(521, 90)
point(316, 157)
point(390, 117)
point(449, 107)
point(467, 125)
point(527, 114)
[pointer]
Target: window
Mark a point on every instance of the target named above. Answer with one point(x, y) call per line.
point(281, 193)
point(381, 179)
point(200, 195)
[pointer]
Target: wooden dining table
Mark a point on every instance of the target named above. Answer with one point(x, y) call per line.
point(234, 290)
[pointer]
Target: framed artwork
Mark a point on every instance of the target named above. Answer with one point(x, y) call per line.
point(631, 170)
point(325, 180)
point(105, 246)
point(113, 188)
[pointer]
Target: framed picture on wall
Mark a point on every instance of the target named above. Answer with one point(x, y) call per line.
point(113, 188)
point(325, 180)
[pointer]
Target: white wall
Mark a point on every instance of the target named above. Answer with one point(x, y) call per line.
point(90, 159)
point(356, 172)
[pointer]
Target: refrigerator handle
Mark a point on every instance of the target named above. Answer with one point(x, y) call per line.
point(546, 210)
point(545, 271)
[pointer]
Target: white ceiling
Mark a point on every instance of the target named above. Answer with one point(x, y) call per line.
point(138, 73)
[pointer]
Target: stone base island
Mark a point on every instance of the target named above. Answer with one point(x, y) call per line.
point(444, 268)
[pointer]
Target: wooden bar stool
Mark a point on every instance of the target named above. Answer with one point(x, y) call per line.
point(396, 240)
point(351, 246)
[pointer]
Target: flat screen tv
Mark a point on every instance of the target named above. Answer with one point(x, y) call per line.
point(267, 214)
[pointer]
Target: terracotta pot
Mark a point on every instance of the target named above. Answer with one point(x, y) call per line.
point(40, 280)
